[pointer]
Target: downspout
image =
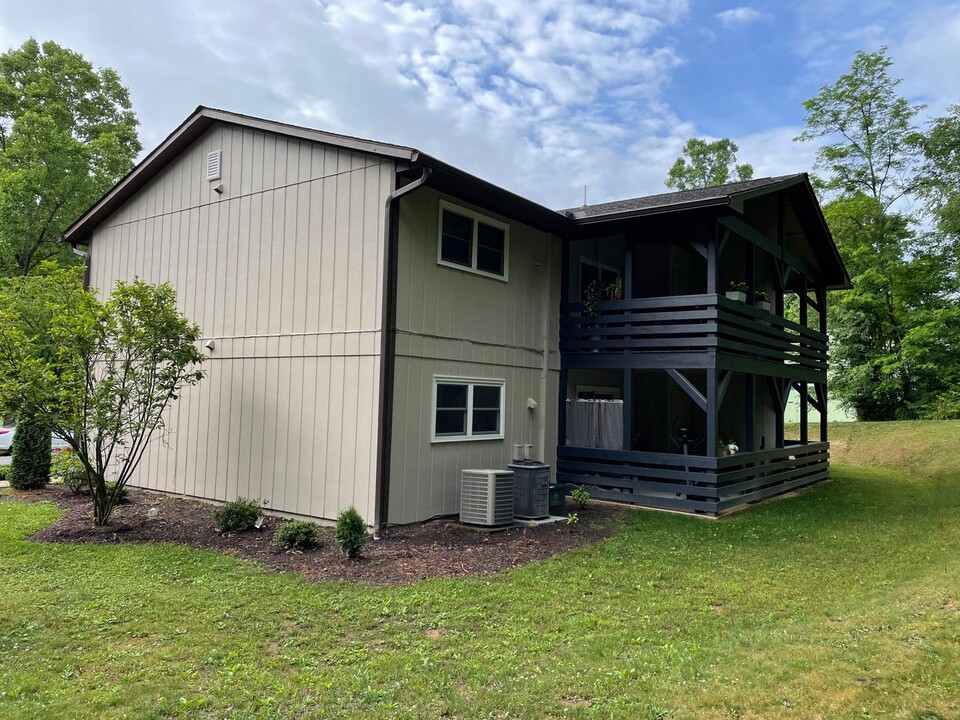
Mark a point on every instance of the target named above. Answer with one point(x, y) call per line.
point(388, 348)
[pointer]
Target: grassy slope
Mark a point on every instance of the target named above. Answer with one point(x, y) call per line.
point(839, 603)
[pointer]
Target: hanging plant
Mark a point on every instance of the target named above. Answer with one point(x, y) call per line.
point(591, 298)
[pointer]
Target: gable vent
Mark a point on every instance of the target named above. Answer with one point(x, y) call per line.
point(213, 165)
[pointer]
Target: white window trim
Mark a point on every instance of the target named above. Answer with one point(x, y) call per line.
point(486, 220)
point(617, 394)
point(470, 383)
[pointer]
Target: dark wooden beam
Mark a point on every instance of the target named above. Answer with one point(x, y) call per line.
point(804, 410)
point(688, 387)
point(698, 247)
point(750, 411)
point(754, 236)
point(713, 261)
point(722, 386)
point(712, 415)
point(562, 410)
point(723, 242)
point(628, 409)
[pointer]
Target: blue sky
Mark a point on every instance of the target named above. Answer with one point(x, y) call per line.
point(540, 96)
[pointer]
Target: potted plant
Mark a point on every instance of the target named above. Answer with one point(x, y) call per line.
point(738, 290)
point(727, 448)
point(591, 299)
point(615, 289)
point(760, 300)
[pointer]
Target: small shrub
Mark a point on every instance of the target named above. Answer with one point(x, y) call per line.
point(123, 495)
point(67, 467)
point(351, 533)
point(297, 535)
point(572, 518)
point(238, 515)
point(4, 473)
point(30, 466)
point(581, 496)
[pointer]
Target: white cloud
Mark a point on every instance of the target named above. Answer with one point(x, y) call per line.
point(927, 56)
point(539, 95)
point(742, 15)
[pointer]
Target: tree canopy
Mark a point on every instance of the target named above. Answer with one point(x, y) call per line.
point(705, 164)
point(98, 373)
point(67, 134)
point(896, 347)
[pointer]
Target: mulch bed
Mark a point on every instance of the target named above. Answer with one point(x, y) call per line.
point(440, 548)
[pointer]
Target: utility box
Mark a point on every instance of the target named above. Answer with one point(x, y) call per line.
point(531, 495)
point(486, 497)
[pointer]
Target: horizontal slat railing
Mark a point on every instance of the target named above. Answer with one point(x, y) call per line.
point(690, 323)
point(692, 483)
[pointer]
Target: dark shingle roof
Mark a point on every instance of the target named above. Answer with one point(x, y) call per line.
point(661, 201)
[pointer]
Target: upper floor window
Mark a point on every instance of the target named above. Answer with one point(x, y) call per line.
point(471, 241)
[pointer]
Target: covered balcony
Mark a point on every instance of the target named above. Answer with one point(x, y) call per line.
point(661, 371)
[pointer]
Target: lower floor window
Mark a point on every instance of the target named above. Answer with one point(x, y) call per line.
point(467, 409)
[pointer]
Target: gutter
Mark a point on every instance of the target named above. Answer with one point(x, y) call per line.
point(388, 348)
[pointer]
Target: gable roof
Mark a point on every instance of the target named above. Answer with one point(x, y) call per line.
point(203, 118)
point(451, 179)
point(728, 194)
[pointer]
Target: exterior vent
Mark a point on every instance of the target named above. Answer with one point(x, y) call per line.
point(213, 165)
point(486, 497)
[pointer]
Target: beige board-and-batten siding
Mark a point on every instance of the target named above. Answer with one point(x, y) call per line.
point(452, 322)
point(284, 272)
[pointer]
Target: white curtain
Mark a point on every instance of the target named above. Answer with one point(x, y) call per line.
point(595, 424)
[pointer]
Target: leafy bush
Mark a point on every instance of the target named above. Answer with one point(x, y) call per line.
point(30, 468)
point(238, 515)
point(122, 496)
point(581, 496)
point(297, 535)
point(351, 532)
point(67, 467)
point(4, 473)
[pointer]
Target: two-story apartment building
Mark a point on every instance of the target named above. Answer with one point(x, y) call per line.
point(377, 320)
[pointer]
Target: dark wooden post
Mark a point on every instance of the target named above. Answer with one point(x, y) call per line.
point(564, 299)
point(628, 267)
point(628, 409)
point(562, 409)
point(750, 410)
point(711, 409)
point(804, 401)
point(821, 292)
point(713, 261)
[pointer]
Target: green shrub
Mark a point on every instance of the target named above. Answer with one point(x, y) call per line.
point(30, 467)
point(67, 467)
point(297, 535)
point(351, 532)
point(581, 496)
point(238, 515)
point(4, 473)
point(123, 495)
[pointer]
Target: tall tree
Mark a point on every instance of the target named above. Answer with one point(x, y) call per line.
point(876, 147)
point(904, 292)
point(705, 164)
point(941, 185)
point(67, 134)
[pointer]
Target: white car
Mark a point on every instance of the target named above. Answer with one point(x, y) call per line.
point(6, 440)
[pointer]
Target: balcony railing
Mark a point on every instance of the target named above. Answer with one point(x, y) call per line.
point(692, 323)
point(693, 483)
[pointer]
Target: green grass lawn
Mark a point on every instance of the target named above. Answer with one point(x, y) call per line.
point(843, 602)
